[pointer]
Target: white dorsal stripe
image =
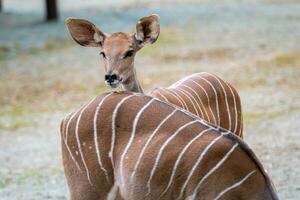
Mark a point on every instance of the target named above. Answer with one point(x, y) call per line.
point(200, 100)
point(180, 157)
point(133, 132)
point(203, 153)
point(148, 142)
point(96, 136)
point(78, 141)
point(234, 185)
point(208, 101)
point(213, 170)
point(161, 151)
point(190, 97)
point(216, 95)
point(113, 127)
point(235, 108)
point(226, 100)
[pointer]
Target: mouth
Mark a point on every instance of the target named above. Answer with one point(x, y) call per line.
point(115, 83)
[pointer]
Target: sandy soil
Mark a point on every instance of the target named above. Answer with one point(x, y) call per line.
point(44, 75)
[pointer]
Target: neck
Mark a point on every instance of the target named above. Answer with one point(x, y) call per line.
point(132, 84)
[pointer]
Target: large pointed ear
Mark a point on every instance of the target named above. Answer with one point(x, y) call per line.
point(147, 29)
point(85, 33)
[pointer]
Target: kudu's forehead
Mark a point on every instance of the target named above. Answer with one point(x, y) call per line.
point(118, 43)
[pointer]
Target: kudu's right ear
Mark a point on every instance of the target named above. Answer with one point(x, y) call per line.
point(85, 33)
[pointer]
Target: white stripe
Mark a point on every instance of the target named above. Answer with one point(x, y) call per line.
point(159, 93)
point(193, 116)
point(216, 95)
point(234, 185)
point(176, 84)
point(180, 157)
point(213, 170)
point(148, 142)
point(235, 108)
point(188, 95)
point(66, 138)
point(96, 136)
point(78, 141)
point(161, 151)
point(208, 101)
point(203, 153)
point(113, 127)
point(179, 97)
point(134, 125)
point(226, 100)
point(200, 100)
point(176, 97)
point(241, 125)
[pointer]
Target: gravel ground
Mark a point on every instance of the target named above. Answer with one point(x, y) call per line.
point(255, 46)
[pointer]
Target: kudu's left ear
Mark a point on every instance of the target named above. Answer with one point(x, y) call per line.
point(147, 30)
point(85, 33)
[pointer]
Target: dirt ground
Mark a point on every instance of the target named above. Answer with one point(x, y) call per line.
point(44, 75)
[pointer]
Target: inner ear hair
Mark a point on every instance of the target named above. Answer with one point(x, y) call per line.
point(85, 33)
point(148, 29)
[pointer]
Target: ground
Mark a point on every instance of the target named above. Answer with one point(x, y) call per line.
point(44, 75)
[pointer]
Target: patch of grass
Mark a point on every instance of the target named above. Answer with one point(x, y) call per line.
point(252, 117)
point(281, 60)
point(4, 52)
point(168, 37)
point(211, 54)
point(293, 17)
point(51, 45)
point(287, 59)
point(24, 176)
point(4, 182)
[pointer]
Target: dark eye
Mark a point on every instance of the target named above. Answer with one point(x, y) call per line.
point(102, 54)
point(129, 53)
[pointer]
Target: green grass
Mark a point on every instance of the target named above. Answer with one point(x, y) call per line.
point(256, 116)
point(168, 37)
point(26, 175)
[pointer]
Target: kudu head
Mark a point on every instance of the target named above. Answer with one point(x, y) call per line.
point(117, 49)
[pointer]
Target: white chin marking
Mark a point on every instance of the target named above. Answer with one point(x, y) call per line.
point(114, 84)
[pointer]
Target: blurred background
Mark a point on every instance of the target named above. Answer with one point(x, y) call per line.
point(255, 45)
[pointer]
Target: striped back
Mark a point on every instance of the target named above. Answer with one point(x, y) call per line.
point(130, 146)
point(208, 97)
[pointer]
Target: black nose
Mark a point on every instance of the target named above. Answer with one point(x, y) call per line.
point(110, 78)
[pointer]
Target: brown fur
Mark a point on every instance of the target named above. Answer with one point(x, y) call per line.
point(239, 163)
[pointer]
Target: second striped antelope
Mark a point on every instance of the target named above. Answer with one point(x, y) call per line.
point(203, 94)
point(130, 146)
